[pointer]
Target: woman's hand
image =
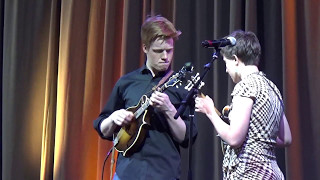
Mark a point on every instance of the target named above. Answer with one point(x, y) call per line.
point(204, 104)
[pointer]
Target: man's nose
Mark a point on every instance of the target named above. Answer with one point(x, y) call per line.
point(164, 55)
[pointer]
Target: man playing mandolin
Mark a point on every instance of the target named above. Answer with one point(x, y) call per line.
point(148, 137)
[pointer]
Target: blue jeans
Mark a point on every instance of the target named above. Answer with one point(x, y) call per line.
point(115, 177)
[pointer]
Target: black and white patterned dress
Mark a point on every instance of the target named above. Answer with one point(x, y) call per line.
point(255, 158)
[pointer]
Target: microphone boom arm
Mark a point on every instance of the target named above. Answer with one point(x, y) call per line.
point(189, 99)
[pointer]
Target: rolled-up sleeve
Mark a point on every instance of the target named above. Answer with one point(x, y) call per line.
point(114, 103)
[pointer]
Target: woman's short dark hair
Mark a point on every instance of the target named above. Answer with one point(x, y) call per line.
point(247, 48)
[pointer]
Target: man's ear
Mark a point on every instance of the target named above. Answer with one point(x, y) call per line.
point(144, 48)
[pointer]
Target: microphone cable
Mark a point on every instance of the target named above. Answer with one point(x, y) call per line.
point(105, 160)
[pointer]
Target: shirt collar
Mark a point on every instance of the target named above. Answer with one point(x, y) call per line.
point(145, 70)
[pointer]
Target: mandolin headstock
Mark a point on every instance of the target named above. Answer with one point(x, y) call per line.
point(176, 79)
point(193, 82)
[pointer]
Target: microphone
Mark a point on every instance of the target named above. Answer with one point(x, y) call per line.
point(219, 43)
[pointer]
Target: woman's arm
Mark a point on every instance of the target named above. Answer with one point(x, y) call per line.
point(284, 137)
point(235, 133)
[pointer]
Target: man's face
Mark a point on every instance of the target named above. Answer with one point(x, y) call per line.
point(159, 55)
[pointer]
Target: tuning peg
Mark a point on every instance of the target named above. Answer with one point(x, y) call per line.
point(201, 84)
point(189, 85)
point(195, 78)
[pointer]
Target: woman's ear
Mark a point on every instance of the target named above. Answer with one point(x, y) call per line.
point(236, 59)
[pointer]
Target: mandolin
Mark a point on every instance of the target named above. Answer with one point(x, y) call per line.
point(131, 137)
point(225, 117)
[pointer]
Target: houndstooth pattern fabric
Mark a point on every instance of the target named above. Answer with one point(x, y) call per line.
point(255, 158)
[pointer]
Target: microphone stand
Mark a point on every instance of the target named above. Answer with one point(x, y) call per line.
point(189, 100)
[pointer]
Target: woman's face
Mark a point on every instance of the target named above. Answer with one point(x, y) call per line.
point(232, 66)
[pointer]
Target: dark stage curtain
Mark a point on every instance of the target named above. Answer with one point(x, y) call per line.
point(61, 58)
